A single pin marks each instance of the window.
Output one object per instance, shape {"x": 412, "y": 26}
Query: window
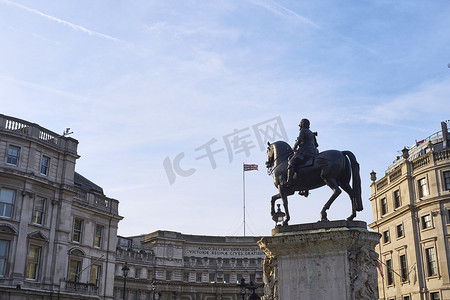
{"x": 212, "y": 277}
{"x": 77, "y": 230}
{"x": 45, "y": 163}
{"x": 13, "y": 155}
{"x": 434, "y": 296}
{"x": 4, "y": 247}
{"x": 168, "y": 275}
{"x": 39, "y": 210}
{"x": 33, "y": 261}
{"x": 383, "y": 206}
{"x": 426, "y": 221}
{"x": 6, "y": 202}
{"x": 74, "y": 270}
{"x": 186, "y": 276}
{"x": 397, "y": 200}
{"x": 389, "y": 273}
{"x": 405, "y": 298}
{"x": 447, "y": 180}
{"x": 423, "y": 191}
{"x": 98, "y": 236}
{"x": 198, "y": 277}
{"x": 149, "y": 274}
{"x": 400, "y": 231}
{"x": 431, "y": 262}
{"x": 403, "y": 268}
{"x": 95, "y": 275}
{"x": 226, "y": 278}
{"x": 386, "y": 237}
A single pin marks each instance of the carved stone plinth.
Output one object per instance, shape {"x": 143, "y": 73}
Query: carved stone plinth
{"x": 326, "y": 260}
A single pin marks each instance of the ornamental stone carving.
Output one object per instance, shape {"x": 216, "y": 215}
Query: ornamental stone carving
{"x": 363, "y": 273}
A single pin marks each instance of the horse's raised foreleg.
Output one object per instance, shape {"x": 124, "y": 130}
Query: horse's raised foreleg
{"x": 331, "y": 182}
{"x": 272, "y": 205}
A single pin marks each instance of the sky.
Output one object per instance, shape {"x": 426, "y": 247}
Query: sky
{"x": 168, "y": 99}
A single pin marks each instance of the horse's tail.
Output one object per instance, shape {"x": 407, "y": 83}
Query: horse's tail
{"x": 356, "y": 180}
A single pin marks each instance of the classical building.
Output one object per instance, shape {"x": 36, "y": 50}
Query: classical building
{"x": 58, "y": 235}
{"x": 169, "y": 265}
{"x": 411, "y": 209}
{"x": 58, "y": 230}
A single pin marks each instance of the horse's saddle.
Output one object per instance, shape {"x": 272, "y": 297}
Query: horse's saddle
{"x": 304, "y": 160}
{"x": 308, "y": 161}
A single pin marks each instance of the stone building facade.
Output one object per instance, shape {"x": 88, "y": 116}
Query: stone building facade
{"x": 58, "y": 230}
{"x": 169, "y": 265}
{"x": 411, "y": 210}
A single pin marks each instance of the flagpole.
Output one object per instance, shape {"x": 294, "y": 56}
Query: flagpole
{"x": 246, "y": 168}
{"x": 243, "y": 191}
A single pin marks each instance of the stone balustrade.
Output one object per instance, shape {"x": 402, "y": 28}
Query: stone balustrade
{"x": 78, "y": 287}
{"x": 97, "y": 201}
{"x": 34, "y": 131}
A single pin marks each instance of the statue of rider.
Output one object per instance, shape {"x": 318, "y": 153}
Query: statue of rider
{"x": 306, "y": 144}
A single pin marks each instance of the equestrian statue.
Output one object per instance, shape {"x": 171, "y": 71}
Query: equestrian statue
{"x": 304, "y": 168}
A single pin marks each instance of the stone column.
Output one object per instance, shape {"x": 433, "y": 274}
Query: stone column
{"x": 332, "y": 260}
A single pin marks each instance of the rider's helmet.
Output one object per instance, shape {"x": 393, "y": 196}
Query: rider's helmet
{"x": 304, "y": 123}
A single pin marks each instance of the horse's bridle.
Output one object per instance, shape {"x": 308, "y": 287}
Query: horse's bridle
{"x": 270, "y": 170}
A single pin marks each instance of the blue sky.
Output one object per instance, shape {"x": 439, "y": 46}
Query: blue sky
{"x": 144, "y": 82}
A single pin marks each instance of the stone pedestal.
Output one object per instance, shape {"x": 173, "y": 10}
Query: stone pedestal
{"x": 332, "y": 260}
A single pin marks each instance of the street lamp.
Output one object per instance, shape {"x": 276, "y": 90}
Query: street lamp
{"x": 253, "y": 296}
{"x": 154, "y": 283}
{"x": 373, "y": 176}
{"x": 125, "y": 270}
{"x": 243, "y": 286}
{"x": 405, "y": 152}
{"x": 278, "y": 217}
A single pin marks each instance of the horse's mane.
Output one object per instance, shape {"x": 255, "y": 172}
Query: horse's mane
{"x": 281, "y": 147}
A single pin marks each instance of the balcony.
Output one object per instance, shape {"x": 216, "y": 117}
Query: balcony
{"x": 78, "y": 287}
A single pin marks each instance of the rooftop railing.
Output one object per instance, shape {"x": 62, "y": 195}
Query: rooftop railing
{"x": 100, "y": 202}
{"x": 34, "y": 131}
{"x": 135, "y": 255}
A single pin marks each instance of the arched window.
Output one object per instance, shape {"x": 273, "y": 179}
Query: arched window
{"x": 75, "y": 264}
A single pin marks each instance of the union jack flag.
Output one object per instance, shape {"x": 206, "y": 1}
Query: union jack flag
{"x": 250, "y": 167}
{"x": 380, "y": 269}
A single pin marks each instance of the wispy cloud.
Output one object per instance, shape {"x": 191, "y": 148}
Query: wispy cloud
{"x": 423, "y": 103}
{"x": 42, "y": 88}
{"x": 289, "y": 14}
{"x": 156, "y": 28}
{"x": 284, "y": 12}
{"x": 415, "y": 105}
{"x": 60, "y": 21}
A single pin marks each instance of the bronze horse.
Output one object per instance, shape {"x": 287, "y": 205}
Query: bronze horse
{"x": 332, "y": 168}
